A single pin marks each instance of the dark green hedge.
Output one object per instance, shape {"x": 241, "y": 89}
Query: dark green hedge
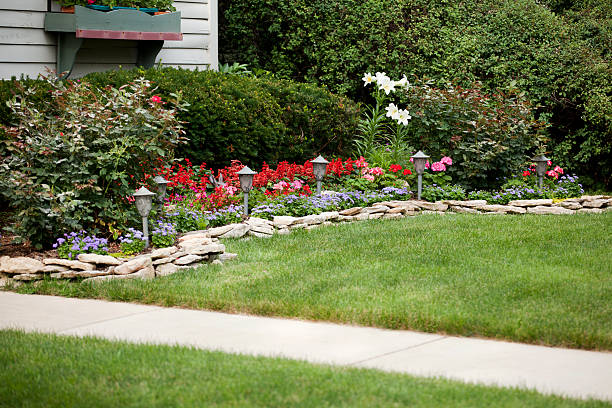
{"x": 251, "y": 119}
{"x": 556, "y": 51}
{"x": 245, "y": 118}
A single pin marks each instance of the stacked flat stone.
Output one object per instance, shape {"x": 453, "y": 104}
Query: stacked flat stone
{"x": 259, "y": 227}
{"x": 193, "y": 249}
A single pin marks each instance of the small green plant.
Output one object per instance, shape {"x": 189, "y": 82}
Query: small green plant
{"x": 164, "y": 234}
{"x": 70, "y": 245}
{"x": 132, "y": 242}
{"x": 185, "y": 220}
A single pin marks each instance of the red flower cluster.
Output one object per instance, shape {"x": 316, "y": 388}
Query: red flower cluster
{"x": 187, "y": 177}
{"x": 284, "y": 171}
{"x": 339, "y": 169}
{"x": 394, "y": 168}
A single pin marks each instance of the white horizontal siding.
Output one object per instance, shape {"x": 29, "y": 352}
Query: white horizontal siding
{"x": 30, "y": 53}
{"x": 190, "y": 41}
{"x": 8, "y": 70}
{"x": 32, "y": 5}
{"x": 25, "y": 48}
{"x": 26, "y": 36}
{"x": 30, "y": 19}
{"x": 193, "y": 10}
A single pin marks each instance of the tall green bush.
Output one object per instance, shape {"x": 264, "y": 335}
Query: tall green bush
{"x": 251, "y": 119}
{"x": 560, "y": 59}
{"x": 72, "y": 162}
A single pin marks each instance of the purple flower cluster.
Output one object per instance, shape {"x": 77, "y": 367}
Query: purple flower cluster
{"x": 74, "y": 243}
{"x": 303, "y": 205}
{"x": 131, "y": 236}
{"x": 164, "y": 228}
{"x": 224, "y": 216}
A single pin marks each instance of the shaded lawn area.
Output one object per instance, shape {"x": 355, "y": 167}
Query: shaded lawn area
{"x": 535, "y": 279}
{"x": 41, "y": 370}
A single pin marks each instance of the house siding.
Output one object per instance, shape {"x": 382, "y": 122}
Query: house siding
{"x": 26, "y": 49}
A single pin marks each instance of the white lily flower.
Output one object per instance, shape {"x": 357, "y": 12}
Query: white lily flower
{"x": 392, "y": 111}
{"x": 403, "y": 117}
{"x": 403, "y": 82}
{"x": 387, "y": 86}
{"x": 368, "y": 79}
{"x": 382, "y": 77}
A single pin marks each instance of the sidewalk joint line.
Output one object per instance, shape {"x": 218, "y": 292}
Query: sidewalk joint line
{"x": 105, "y": 320}
{"x": 397, "y": 351}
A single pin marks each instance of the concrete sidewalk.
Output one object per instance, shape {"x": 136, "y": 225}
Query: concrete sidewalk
{"x": 565, "y": 372}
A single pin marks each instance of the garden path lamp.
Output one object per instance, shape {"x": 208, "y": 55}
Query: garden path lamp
{"x": 319, "y": 167}
{"x": 420, "y": 159}
{"x": 144, "y": 202}
{"x": 246, "y": 184}
{"x": 161, "y": 190}
{"x": 541, "y": 162}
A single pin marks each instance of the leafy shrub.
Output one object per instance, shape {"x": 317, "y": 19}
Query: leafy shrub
{"x": 489, "y": 136}
{"x": 253, "y": 120}
{"x": 185, "y": 220}
{"x": 71, "y": 245}
{"x": 67, "y": 163}
{"x": 561, "y": 61}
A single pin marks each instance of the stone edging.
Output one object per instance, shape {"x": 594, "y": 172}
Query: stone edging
{"x": 260, "y": 227}
{"x": 193, "y": 249}
{"x": 198, "y": 247}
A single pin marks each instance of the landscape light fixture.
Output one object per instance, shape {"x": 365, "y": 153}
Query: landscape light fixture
{"x": 419, "y": 159}
{"x": 161, "y": 190}
{"x": 144, "y": 202}
{"x": 541, "y": 162}
{"x": 319, "y": 167}
{"x": 246, "y": 184}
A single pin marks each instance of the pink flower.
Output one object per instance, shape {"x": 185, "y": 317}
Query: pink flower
{"x": 91, "y": 1}
{"x": 156, "y": 99}
{"x": 361, "y": 162}
{"x": 376, "y": 171}
{"x": 411, "y": 160}
{"x": 558, "y": 169}
{"x": 446, "y": 160}
{"x": 552, "y": 173}
{"x": 296, "y": 184}
{"x": 280, "y": 185}
{"x": 549, "y": 163}
{"x": 438, "y": 166}
{"x": 426, "y": 165}
{"x": 231, "y": 190}
{"x": 368, "y": 177}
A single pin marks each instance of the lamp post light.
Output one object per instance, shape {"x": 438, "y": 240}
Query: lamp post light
{"x": 246, "y": 184}
{"x": 419, "y": 159}
{"x": 319, "y": 167}
{"x": 541, "y": 164}
{"x": 161, "y": 190}
{"x": 144, "y": 202}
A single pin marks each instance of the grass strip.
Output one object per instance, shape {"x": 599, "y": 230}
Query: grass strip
{"x": 534, "y": 279}
{"x": 42, "y": 370}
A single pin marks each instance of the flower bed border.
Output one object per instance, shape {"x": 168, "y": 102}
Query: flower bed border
{"x": 198, "y": 247}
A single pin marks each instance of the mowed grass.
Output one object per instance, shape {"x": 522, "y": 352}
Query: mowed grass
{"x": 40, "y": 370}
{"x": 536, "y": 279}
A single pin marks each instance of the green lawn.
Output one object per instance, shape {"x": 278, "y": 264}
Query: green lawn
{"x": 40, "y": 370}
{"x": 536, "y": 279}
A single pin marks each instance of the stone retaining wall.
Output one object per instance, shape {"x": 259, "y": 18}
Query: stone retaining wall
{"x": 199, "y": 247}
{"x": 396, "y": 209}
{"x": 192, "y": 250}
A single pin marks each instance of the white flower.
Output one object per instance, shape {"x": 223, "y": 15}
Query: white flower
{"x": 382, "y": 77}
{"x": 387, "y": 86}
{"x": 367, "y": 79}
{"x": 403, "y": 82}
{"x": 392, "y": 111}
{"x": 403, "y": 117}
